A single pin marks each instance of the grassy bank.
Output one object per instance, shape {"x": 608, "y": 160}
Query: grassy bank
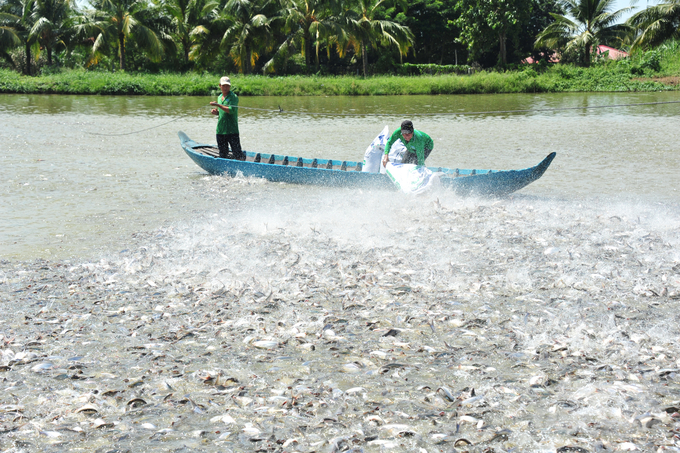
{"x": 636, "y": 74}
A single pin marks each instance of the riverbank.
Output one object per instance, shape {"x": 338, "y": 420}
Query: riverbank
{"x": 561, "y": 78}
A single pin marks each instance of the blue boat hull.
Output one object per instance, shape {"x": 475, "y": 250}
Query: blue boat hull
{"x": 326, "y": 172}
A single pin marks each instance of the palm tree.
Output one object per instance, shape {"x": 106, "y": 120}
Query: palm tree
{"x": 306, "y": 24}
{"x": 206, "y": 38}
{"x": 16, "y": 23}
{"x": 656, "y": 24}
{"x": 50, "y": 18}
{"x": 119, "y": 21}
{"x": 8, "y": 36}
{"x": 366, "y": 30}
{"x": 188, "y": 17}
{"x": 248, "y": 30}
{"x": 585, "y": 24}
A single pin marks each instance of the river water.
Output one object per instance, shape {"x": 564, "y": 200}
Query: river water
{"x": 256, "y": 316}
{"x": 67, "y": 190}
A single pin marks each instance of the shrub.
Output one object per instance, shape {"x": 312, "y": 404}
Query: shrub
{"x": 652, "y": 60}
{"x": 433, "y": 69}
{"x": 647, "y": 62}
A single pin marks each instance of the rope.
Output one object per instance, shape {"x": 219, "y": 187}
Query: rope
{"x": 148, "y": 128}
{"x": 137, "y": 132}
{"x": 492, "y": 112}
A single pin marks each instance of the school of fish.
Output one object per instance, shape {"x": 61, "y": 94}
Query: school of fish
{"x": 350, "y": 321}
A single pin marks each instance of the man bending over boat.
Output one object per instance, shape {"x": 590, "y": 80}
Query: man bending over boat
{"x": 418, "y": 144}
{"x": 226, "y": 107}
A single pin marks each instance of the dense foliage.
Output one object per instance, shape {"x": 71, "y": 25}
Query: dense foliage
{"x": 586, "y": 24}
{"x": 323, "y": 37}
{"x": 650, "y": 71}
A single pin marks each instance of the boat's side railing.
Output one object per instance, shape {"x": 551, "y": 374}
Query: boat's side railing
{"x": 456, "y": 172}
{"x": 279, "y": 159}
{"x": 329, "y": 164}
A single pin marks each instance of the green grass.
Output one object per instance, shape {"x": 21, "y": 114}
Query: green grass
{"x": 634, "y": 74}
{"x": 87, "y": 82}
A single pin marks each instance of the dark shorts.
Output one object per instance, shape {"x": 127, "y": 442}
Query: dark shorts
{"x": 411, "y": 158}
{"x": 227, "y": 141}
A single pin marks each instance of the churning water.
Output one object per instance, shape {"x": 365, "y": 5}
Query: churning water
{"x": 183, "y": 312}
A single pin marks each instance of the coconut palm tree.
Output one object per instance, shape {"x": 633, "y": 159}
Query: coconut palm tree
{"x": 306, "y": 24}
{"x": 248, "y": 32}
{"x": 584, "y": 24}
{"x": 206, "y": 38}
{"x": 9, "y": 38}
{"x": 15, "y": 29}
{"x": 50, "y": 22}
{"x": 118, "y": 21}
{"x": 367, "y": 30}
{"x": 188, "y": 17}
{"x": 656, "y": 24}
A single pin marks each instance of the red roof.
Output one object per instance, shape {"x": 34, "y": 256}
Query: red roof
{"x": 554, "y": 58}
{"x": 614, "y": 54}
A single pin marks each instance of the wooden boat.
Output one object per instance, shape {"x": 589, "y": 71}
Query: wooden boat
{"x": 328, "y": 172}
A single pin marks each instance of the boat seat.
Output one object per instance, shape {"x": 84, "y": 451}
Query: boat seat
{"x": 208, "y": 150}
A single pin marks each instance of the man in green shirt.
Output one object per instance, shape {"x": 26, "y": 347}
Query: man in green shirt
{"x": 418, "y": 144}
{"x": 226, "y": 108}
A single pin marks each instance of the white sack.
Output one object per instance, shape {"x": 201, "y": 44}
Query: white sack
{"x": 375, "y": 151}
{"x": 397, "y": 153}
{"x": 410, "y": 178}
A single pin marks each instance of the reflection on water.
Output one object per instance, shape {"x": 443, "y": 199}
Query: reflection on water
{"x": 68, "y": 189}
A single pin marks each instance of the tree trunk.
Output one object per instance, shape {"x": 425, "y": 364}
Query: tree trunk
{"x": 307, "y": 43}
{"x": 121, "y": 48}
{"x": 317, "y": 55}
{"x": 185, "y": 46}
{"x": 28, "y": 58}
{"x": 364, "y": 57}
{"x": 49, "y": 56}
{"x": 587, "y": 62}
{"x": 247, "y": 66}
{"x": 503, "y": 57}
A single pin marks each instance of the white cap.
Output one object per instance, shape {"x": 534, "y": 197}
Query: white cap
{"x": 225, "y": 81}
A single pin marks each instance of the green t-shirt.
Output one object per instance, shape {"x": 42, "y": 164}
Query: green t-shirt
{"x": 227, "y": 123}
{"x": 418, "y": 144}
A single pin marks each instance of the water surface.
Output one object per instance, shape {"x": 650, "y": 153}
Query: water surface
{"x": 79, "y": 172}
{"x": 250, "y": 315}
